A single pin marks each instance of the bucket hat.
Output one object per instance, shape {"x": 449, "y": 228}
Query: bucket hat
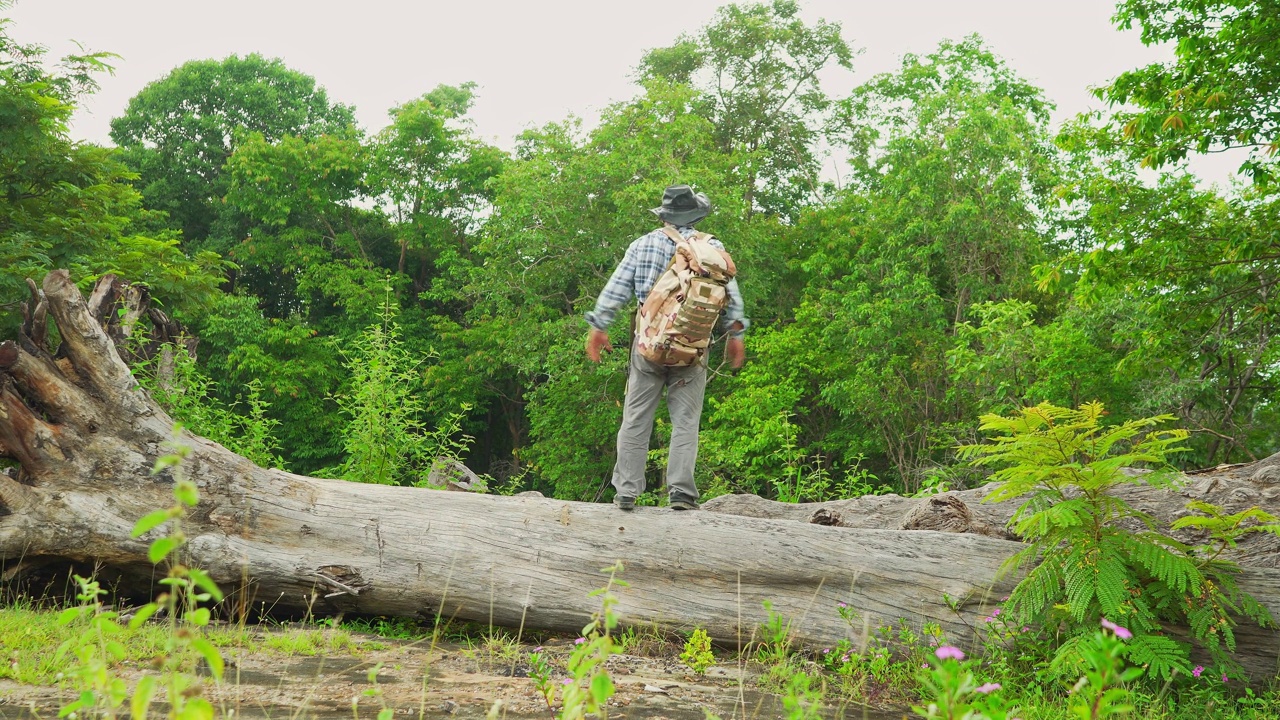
{"x": 682, "y": 206}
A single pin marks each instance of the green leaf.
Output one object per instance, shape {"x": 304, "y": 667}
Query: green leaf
{"x": 210, "y": 655}
{"x": 160, "y": 549}
{"x": 142, "y": 695}
{"x": 186, "y": 493}
{"x": 150, "y": 521}
{"x": 70, "y": 614}
{"x": 203, "y": 580}
{"x": 197, "y": 708}
{"x": 601, "y": 688}
{"x": 199, "y": 617}
{"x": 116, "y": 650}
{"x": 144, "y": 613}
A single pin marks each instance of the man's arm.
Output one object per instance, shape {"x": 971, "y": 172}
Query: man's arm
{"x": 734, "y": 321}
{"x": 616, "y": 293}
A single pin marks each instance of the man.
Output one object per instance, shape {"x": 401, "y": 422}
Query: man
{"x": 646, "y": 259}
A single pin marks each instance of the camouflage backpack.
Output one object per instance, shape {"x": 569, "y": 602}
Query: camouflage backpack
{"x": 674, "y": 325}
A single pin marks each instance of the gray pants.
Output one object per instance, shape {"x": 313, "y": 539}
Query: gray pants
{"x": 685, "y": 388}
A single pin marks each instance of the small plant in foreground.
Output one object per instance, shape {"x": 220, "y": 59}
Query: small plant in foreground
{"x": 543, "y": 676}
{"x": 95, "y": 650}
{"x": 954, "y": 694}
{"x": 373, "y": 691}
{"x": 774, "y": 646}
{"x": 590, "y": 687}
{"x": 697, "y": 655}
{"x": 1101, "y": 691}
{"x": 802, "y": 700}
{"x": 187, "y": 588}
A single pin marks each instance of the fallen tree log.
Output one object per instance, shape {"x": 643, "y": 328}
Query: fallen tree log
{"x": 1234, "y": 488}
{"x": 87, "y": 437}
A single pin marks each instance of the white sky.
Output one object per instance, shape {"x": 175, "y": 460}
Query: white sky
{"x": 542, "y": 60}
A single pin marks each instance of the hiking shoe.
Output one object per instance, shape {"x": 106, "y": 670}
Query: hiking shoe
{"x": 684, "y": 505}
{"x": 624, "y": 503}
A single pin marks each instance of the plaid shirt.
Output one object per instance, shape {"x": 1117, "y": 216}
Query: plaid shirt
{"x": 645, "y": 261}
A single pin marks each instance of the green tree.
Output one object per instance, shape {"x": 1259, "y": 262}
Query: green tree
{"x": 1198, "y": 272}
{"x": 951, "y": 189}
{"x": 179, "y": 131}
{"x": 433, "y": 175}
{"x": 757, "y": 68}
{"x": 67, "y": 204}
{"x": 1221, "y": 91}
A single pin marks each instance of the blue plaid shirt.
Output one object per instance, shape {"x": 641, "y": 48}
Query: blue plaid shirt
{"x": 646, "y": 259}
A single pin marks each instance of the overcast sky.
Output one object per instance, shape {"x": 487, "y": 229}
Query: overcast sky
{"x": 542, "y": 60}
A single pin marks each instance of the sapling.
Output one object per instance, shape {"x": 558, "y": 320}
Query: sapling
{"x": 187, "y": 587}
{"x": 589, "y": 688}
{"x": 697, "y": 655}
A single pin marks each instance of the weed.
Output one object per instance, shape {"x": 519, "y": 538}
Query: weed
{"x": 589, "y": 687}
{"x": 373, "y": 691}
{"x": 96, "y": 649}
{"x": 392, "y": 628}
{"x": 648, "y": 640}
{"x": 188, "y": 587}
{"x": 492, "y": 649}
{"x": 385, "y": 438}
{"x": 697, "y": 655}
{"x": 543, "y": 676}
{"x": 954, "y": 694}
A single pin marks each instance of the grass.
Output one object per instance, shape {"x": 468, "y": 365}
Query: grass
{"x": 310, "y": 641}
{"x": 29, "y": 634}
{"x": 29, "y": 637}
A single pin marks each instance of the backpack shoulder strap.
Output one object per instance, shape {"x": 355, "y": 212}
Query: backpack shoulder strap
{"x": 674, "y": 234}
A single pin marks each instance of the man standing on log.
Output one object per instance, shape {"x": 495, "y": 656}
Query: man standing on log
{"x": 669, "y": 339}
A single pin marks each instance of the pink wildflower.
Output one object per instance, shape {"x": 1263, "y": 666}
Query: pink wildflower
{"x": 989, "y": 687}
{"x": 579, "y": 641}
{"x": 1224, "y": 677}
{"x": 567, "y": 681}
{"x": 948, "y": 652}
{"x": 988, "y": 619}
{"x": 1122, "y": 633}
{"x": 995, "y": 612}
{"x": 1196, "y": 673}
{"x": 843, "y": 605}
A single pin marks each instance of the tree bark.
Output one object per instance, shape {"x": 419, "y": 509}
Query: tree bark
{"x": 87, "y": 437}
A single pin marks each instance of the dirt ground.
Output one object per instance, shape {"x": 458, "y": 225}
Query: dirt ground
{"x": 449, "y": 682}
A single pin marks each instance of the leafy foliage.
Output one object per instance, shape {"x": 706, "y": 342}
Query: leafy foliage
{"x": 179, "y": 132}
{"x": 385, "y": 438}
{"x": 66, "y": 204}
{"x": 1217, "y": 93}
{"x": 1066, "y": 466}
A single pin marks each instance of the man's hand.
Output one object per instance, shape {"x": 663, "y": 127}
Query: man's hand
{"x": 735, "y": 352}
{"x": 598, "y": 340}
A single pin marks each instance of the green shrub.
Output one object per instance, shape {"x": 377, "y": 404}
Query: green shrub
{"x": 697, "y": 655}
{"x": 1067, "y": 465}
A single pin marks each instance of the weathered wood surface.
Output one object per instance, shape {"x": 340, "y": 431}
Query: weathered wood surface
{"x": 87, "y": 437}
{"x": 1234, "y": 488}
